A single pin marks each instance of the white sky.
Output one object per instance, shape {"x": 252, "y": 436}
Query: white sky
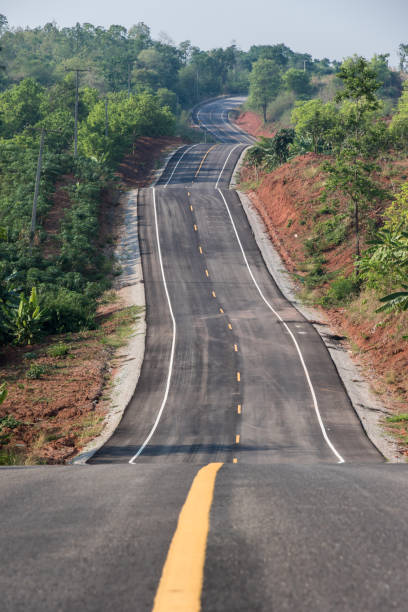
{"x": 324, "y": 28}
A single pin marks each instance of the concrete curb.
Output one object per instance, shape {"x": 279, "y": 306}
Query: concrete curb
{"x": 367, "y": 406}
{"x": 129, "y": 358}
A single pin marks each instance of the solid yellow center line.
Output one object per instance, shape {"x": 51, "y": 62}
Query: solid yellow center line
{"x": 229, "y": 326}
{"x": 213, "y": 294}
{"x": 237, "y": 438}
{"x": 235, "y": 460}
{"x": 181, "y": 581}
{"x": 236, "y": 348}
{"x": 238, "y": 376}
{"x": 207, "y": 273}
{"x": 201, "y": 250}
{"x": 239, "y": 409}
{"x": 221, "y": 311}
{"x": 203, "y": 160}
{"x": 195, "y": 227}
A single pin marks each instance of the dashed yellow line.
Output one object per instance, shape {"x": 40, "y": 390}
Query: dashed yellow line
{"x": 238, "y": 376}
{"x": 236, "y": 348}
{"x": 191, "y": 208}
{"x": 229, "y": 326}
{"x": 213, "y": 294}
{"x": 239, "y": 409}
{"x": 237, "y": 439}
{"x": 181, "y": 581}
{"x": 235, "y": 460}
{"x": 201, "y": 250}
{"x": 188, "y": 193}
{"x": 195, "y": 227}
{"x": 203, "y": 160}
{"x": 221, "y": 311}
{"x": 207, "y": 273}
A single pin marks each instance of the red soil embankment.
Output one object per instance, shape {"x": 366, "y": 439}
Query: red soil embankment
{"x": 253, "y": 124}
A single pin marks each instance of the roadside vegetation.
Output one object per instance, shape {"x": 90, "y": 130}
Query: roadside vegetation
{"x": 332, "y": 187}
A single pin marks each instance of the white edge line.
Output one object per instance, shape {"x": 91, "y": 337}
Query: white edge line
{"x": 176, "y": 166}
{"x": 312, "y": 391}
{"x": 226, "y": 161}
{"x": 173, "y": 344}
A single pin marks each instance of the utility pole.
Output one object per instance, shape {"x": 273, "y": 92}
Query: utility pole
{"x": 106, "y": 118}
{"x": 77, "y": 71}
{"x": 36, "y": 190}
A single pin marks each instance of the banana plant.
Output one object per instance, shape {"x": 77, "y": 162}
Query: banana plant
{"x": 395, "y": 301}
{"x": 28, "y": 319}
{"x": 3, "y": 392}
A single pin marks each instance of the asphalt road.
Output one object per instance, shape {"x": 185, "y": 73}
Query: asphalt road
{"x": 305, "y": 514}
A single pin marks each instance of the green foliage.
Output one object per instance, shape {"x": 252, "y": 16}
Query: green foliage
{"x": 395, "y": 301}
{"x": 271, "y": 152}
{"x": 8, "y": 422}
{"x": 341, "y": 291}
{"x": 27, "y": 321}
{"x": 36, "y": 370}
{"x": 58, "y": 350}
{"x": 298, "y": 81}
{"x": 66, "y": 310}
{"x": 360, "y": 83}
{"x": 314, "y": 123}
{"x": 3, "y": 392}
{"x": 265, "y": 80}
{"x": 19, "y": 107}
{"x": 399, "y": 123}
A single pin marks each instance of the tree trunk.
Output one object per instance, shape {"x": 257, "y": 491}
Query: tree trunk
{"x": 357, "y": 232}
{"x": 264, "y": 112}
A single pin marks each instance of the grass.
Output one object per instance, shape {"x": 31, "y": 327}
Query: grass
{"x": 58, "y": 350}
{"x": 398, "y": 418}
{"x": 124, "y": 321}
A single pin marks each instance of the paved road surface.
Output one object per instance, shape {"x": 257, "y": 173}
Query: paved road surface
{"x": 304, "y": 513}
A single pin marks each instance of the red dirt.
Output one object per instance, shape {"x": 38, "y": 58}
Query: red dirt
{"x": 64, "y": 408}
{"x": 287, "y": 200}
{"x": 253, "y": 124}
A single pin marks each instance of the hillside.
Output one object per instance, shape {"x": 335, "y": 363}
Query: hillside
{"x": 301, "y": 226}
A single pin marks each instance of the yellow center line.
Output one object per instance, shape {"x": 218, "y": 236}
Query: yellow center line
{"x": 207, "y": 273}
{"x": 238, "y": 376}
{"x": 237, "y": 438}
{"x": 203, "y": 160}
{"x": 181, "y": 581}
{"x": 235, "y": 460}
{"x": 221, "y": 311}
{"x": 213, "y": 294}
{"x": 195, "y": 227}
{"x": 229, "y": 326}
{"x": 191, "y": 208}
{"x": 188, "y": 193}
{"x": 239, "y": 409}
{"x": 201, "y": 250}
{"x": 236, "y": 348}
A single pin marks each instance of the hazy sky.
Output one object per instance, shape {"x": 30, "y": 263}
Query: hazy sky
{"x": 324, "y": 28}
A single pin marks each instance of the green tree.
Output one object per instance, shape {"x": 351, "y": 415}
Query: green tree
{"x": 399, "y": 123}
{"x": 264, "y": 83}
{"x": 360, "y": 84}
{"x": 298, "y": 81}
{"x": 314, "y": 122}
{"x": 20, "y": 106}
{"x": 403, "y": 54}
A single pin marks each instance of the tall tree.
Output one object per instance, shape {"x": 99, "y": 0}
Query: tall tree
{"x": 264, "y": 83}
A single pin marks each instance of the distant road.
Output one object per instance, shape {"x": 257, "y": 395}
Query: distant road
{"x": 239, "y": 416}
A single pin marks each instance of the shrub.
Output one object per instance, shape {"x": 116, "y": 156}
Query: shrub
{"x": 28, "y": 319}
{"x": 67, "y": 310}
{"x": 35, "y": 371}
{"x": 58, "y": 350}
{"x": 341, "y": 291}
